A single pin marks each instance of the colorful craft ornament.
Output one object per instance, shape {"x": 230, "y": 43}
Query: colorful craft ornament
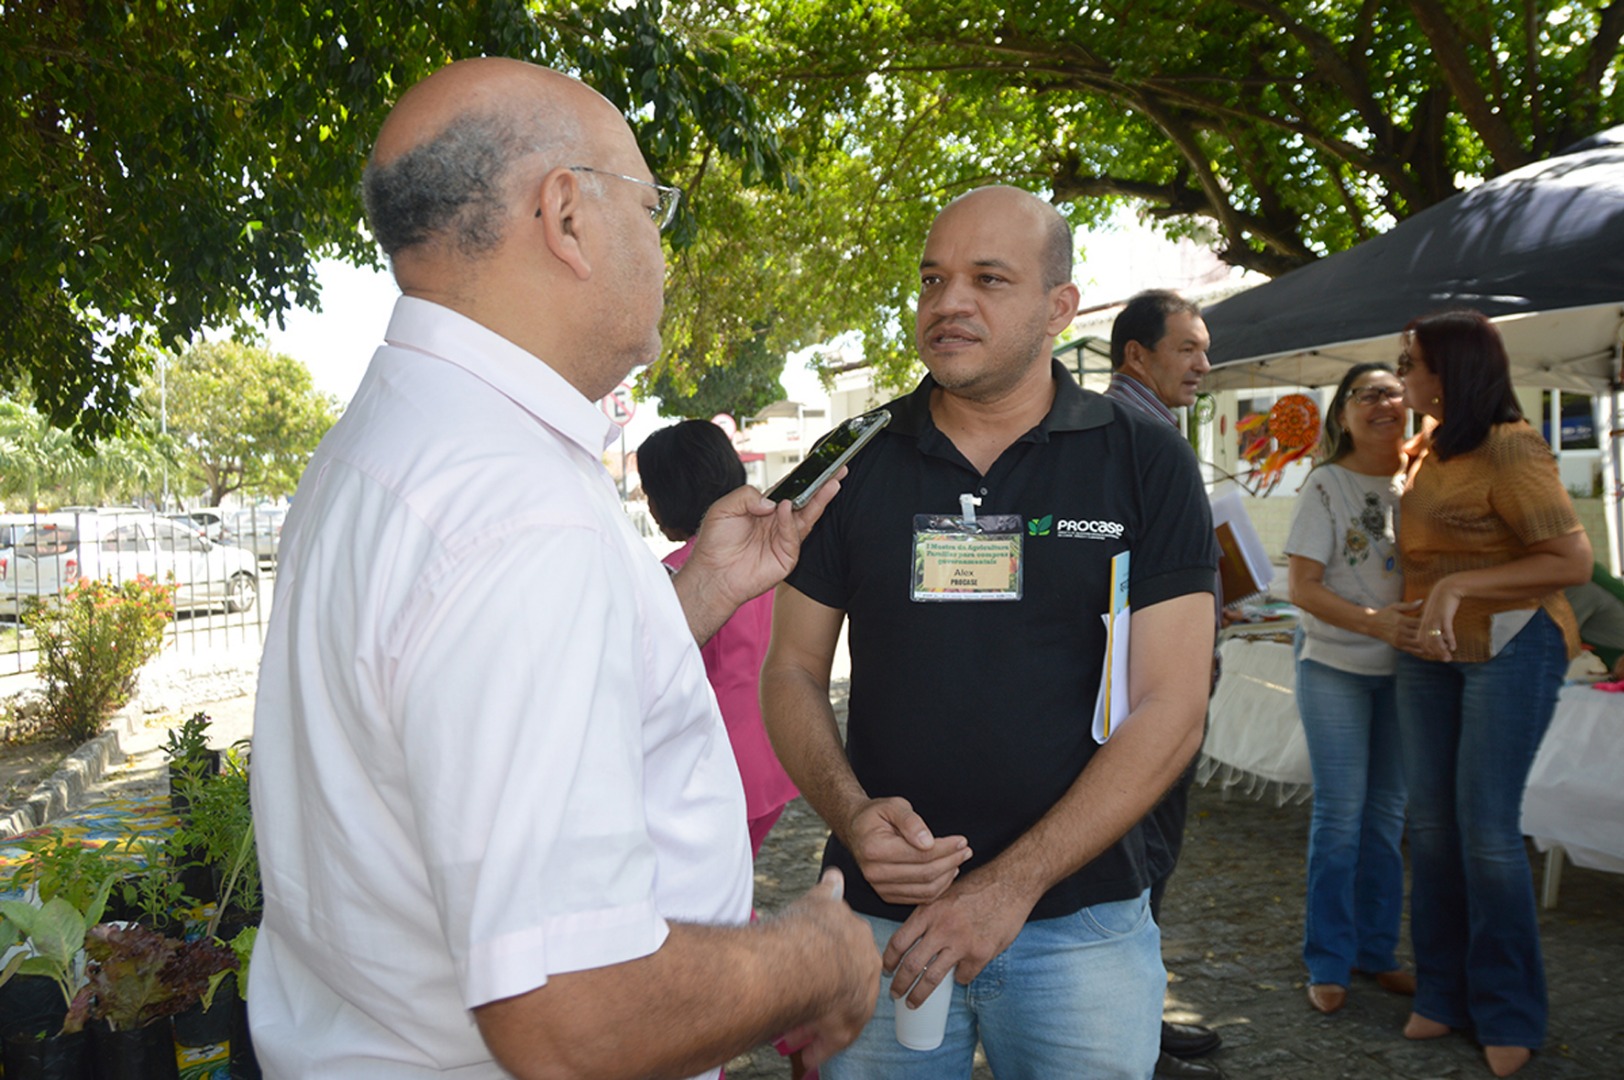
{"x": 1287, "y": 432}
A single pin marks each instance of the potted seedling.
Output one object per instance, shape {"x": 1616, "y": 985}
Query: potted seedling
{"x": 213, "y": 1033}
{"x": 244, "y": 1065}
{"x": 190, "y": 759}
{"x": 218, "y": 837}
{"x": 46, "y": 1038}
{"x": 135, "y": 981}
{"x": 154, "y": 894}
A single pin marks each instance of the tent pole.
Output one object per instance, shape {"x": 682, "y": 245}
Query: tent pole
{"x": 1613, "y": 475}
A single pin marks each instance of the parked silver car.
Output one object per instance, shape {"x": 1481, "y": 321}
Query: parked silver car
{"x": 119, "y": 545}
{"x": 258, "y": 530}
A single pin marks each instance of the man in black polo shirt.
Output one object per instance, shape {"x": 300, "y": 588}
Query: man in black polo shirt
{"x": 985, "y": 832}
{"x": 1159, "y": 348}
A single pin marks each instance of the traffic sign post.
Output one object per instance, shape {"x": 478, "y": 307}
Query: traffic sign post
{"x": 618, "y": 405}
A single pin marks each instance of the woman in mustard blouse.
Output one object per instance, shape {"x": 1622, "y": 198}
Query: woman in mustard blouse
{"x": 1488, "y": 538}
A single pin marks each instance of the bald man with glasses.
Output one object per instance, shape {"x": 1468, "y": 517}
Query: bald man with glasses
{"x": 500, "y": 825}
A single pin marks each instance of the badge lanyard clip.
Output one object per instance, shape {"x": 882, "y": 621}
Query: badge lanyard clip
{"x": 967, "y": 509}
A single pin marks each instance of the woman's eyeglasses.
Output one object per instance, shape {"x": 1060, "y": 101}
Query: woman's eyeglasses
{"x": 1371, "y": 395}
{"x": 1406, "y": 363}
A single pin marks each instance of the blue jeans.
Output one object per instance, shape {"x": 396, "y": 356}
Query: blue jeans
{"x": 1470, "y": 733}
{"x": 1355, "y": 867}
{"x": 1080, "y": 995}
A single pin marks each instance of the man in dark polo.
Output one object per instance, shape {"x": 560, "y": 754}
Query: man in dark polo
{"x": 1158, "y": 357}
{"x": 987, "y": 834}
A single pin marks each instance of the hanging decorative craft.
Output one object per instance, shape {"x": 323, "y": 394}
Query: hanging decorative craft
{"x": 1201, "y": 414}
{"x": 1278, "y": 437}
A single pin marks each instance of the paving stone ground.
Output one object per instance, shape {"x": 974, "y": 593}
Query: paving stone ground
{"x": 1233, "y": 916}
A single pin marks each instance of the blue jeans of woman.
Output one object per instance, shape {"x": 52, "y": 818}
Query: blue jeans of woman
{"x": 1355, "y": 867}
{"x": 1470, "y": 733}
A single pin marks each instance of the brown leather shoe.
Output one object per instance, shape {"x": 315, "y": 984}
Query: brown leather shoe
{"x": 1505, "y": 1060}
{"x": 1397, "y": 981}
{"x": 1327, "y": 997}
{"x": 1424, "y": 1027}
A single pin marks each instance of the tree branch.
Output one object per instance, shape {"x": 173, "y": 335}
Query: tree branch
{"x": 1039, "y": 64}
{"x": 1329, "y": 62}
{"x": 1490, "y": 123}
{"x": 1536, "y": 112}
{"x": 1176, "y": 199}
{"x": 1603, "y": 53}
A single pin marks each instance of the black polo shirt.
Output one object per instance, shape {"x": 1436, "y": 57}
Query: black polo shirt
{"x": 979, "y": 713}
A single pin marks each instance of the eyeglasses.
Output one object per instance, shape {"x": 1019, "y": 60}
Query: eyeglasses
{"x": 1370, "y": 395}
{"x": 1406, "y": 364}
{"x": 666, "y": 198}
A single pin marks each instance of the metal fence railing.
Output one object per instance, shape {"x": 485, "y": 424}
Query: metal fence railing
{"x": 222, "y": 582}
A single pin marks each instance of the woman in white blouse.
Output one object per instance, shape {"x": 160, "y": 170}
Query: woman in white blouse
{"x": 1345, "y": 579}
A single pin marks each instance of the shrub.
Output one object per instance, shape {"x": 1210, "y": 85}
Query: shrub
{"x": 92, "y": 642}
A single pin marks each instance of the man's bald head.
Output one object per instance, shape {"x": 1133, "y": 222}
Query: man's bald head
{"x": 1050, "y": 224}
{"x": 509, "y": 194}
{"x": 442, "y": 172}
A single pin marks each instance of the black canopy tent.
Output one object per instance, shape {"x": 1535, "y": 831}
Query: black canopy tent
{"x": 1540, "y": 250}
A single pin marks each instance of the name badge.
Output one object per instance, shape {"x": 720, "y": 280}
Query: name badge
{"x": 974, "y": 559}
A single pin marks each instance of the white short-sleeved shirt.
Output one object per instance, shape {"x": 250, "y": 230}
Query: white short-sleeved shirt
{"x": 485, "y": 750}
{"x": 1348, "y": 522}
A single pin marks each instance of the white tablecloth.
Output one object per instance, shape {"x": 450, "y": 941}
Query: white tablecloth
{"x": 1575, "y": 795}
{"x": 1254, "y": 735}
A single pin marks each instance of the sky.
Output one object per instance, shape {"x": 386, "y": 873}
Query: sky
{"x": 337, "y": 343}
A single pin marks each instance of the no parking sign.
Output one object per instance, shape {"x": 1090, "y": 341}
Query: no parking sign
{"x": 618, "y": 405}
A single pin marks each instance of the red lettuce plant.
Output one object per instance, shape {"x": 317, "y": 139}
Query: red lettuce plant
{"x": 137, "y": 976}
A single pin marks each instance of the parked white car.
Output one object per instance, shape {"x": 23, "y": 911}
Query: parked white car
{"x": 119, "y": 545}
{"x": 211, "y": 523}
{"x": 13, "y": 526}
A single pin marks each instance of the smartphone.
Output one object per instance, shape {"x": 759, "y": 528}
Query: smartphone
{"x": 826, "y": 457}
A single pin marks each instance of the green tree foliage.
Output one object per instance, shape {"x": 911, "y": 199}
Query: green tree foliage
{"x": 1297, "y": 127}
{"x": 174, "y": 166}
{"x": 742, "y": 385}
{"x": 46, "y": 468}
{"x": 1279, "y": 130}
{"x": 171, "y": 167}
{"x": 241, "y": 418}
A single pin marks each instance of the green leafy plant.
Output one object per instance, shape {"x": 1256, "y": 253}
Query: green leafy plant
{"x": 54, "y": 934}
{"x": 136, "y": 976}
{"x": 242, "y": 947}
{"x": 154, "y": 891}
{"x": 92, "y": 642}
{"x": 59, "y": 866}
{"x": 219, "y": 832}
{"x": 190, "y": 760}
{"x": 189, "y": 743}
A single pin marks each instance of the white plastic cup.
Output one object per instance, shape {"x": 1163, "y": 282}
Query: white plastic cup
{"x": 923, "y": 1028}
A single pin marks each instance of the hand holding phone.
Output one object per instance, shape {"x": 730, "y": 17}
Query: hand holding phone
{"x": 826, "y": 457}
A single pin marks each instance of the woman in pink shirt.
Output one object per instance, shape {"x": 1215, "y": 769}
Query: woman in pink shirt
{"x": 685, "y": 468}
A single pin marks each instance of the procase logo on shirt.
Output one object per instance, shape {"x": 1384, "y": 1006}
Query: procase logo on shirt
{"x": 1089, "y": 530}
